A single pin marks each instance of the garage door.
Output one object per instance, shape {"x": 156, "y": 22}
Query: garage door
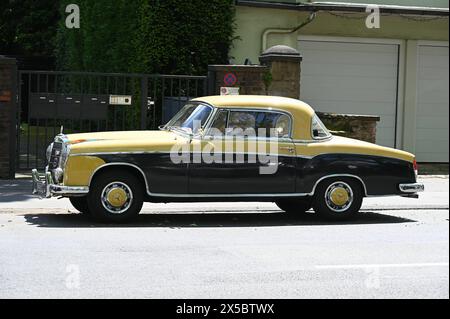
{"x": 352, "y": 78}
{"x": 432, "y": 105}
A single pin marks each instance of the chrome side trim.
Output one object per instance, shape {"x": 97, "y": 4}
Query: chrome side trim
{"x": 412, "y": 188}
{"x": 228, "y": 195}
{"x": 313, "y": 141}
{"x": 159, "y": 152}
{"x": 118, "y": 153}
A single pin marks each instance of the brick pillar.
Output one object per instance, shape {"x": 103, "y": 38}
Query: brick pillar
{"x": 284, "y": 65}
{"x": 8, "y": 107}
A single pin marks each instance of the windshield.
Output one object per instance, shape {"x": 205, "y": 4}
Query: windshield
{"x": 190, "y": 118}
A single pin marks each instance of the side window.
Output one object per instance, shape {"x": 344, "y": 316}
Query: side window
{"x": 219, "y": 124}
{"x": 263, "y": 124}
{"x": 241, "y": 123}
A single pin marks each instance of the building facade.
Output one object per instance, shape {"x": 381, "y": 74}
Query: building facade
{"x": 395, "y": 65}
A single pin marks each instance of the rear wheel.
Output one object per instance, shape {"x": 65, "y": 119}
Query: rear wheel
{"x": 80, "y": 204}
{"x": 294, "y": 205}
{"x": 116, "y": 196}
{"x": 338, "y": 198}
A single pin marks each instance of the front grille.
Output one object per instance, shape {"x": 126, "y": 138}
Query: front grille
{"x": 55, "y": 155}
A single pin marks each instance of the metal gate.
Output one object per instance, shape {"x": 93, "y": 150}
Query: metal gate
{"x": 90, "y": 102}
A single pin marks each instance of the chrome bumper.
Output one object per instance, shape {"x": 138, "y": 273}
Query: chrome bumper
{"x": 411, "y": 188}
{"x": 47, "y": 188}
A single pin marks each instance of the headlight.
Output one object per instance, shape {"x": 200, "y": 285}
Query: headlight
{"x": 48, "y": 153}
{"x": 64, "y": 155}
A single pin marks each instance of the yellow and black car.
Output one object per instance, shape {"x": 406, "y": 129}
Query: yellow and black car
{"x": 239, "y": 148}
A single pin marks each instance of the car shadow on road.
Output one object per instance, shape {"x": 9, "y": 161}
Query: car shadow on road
{"x": 183, "y": 220}
{"x": 16, "y": 191}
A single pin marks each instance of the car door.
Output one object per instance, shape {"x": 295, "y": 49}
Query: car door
{"x": 237, "y": 162}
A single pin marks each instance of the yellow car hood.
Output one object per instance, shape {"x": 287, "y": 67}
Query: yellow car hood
{"x": 123, "y": 141}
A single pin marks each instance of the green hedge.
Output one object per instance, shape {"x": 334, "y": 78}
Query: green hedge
{"x": 166, "y": 36}
{"x": 28, "y": 27}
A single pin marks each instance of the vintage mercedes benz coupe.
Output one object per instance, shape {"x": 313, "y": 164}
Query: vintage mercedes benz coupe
{"x": 109, "y": 175}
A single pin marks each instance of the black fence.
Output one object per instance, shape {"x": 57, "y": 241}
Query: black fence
{"x": 90, "y": 102}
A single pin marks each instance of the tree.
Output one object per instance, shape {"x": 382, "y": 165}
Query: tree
{"x": 28, "y": 27}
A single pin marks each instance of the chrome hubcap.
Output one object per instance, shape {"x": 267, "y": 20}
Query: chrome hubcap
{"x": 339, "y": 197}
{"x": 117, "y": 197}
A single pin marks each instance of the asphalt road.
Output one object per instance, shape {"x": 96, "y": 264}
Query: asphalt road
{"x": 397, "y": 248}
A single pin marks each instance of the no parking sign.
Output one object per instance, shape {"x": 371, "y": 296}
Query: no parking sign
{"x": 230, "y": 79}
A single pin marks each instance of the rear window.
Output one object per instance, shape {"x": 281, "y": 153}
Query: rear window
{"x": 318, "y": 129}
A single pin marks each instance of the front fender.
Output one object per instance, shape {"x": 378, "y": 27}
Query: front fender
{"x": 79, "y": 169}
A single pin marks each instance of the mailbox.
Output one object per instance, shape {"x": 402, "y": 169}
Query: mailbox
{"x": 68, "y": 106}
{"x": 43, "y": 106}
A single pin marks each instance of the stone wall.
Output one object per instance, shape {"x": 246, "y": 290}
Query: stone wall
{"x": 8, "y": 71}
{"x": 249, "y": 78}
{"x": 361, "y": 127}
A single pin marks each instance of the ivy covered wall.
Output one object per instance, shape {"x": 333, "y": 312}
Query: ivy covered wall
{"x": 148, "y": 36}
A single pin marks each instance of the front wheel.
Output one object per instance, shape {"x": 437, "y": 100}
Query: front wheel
{"x": 115, "y": 196}
{"x": 338, "y": 199}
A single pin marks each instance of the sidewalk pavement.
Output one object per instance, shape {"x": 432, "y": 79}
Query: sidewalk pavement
{"x": 16, "y": 195}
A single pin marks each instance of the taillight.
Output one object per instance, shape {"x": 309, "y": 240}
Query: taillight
{"x": 416, "y": 168}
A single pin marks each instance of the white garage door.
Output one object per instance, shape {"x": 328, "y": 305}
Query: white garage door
{"x": 352, "y": 78}
{"x": 432, "y": 105}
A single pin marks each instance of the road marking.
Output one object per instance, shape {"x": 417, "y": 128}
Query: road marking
{"x": 363, "y": 266}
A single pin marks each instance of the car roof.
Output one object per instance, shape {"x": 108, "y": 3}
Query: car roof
{"x": 300, "y": 111}
{"x": 261, "y": 101}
